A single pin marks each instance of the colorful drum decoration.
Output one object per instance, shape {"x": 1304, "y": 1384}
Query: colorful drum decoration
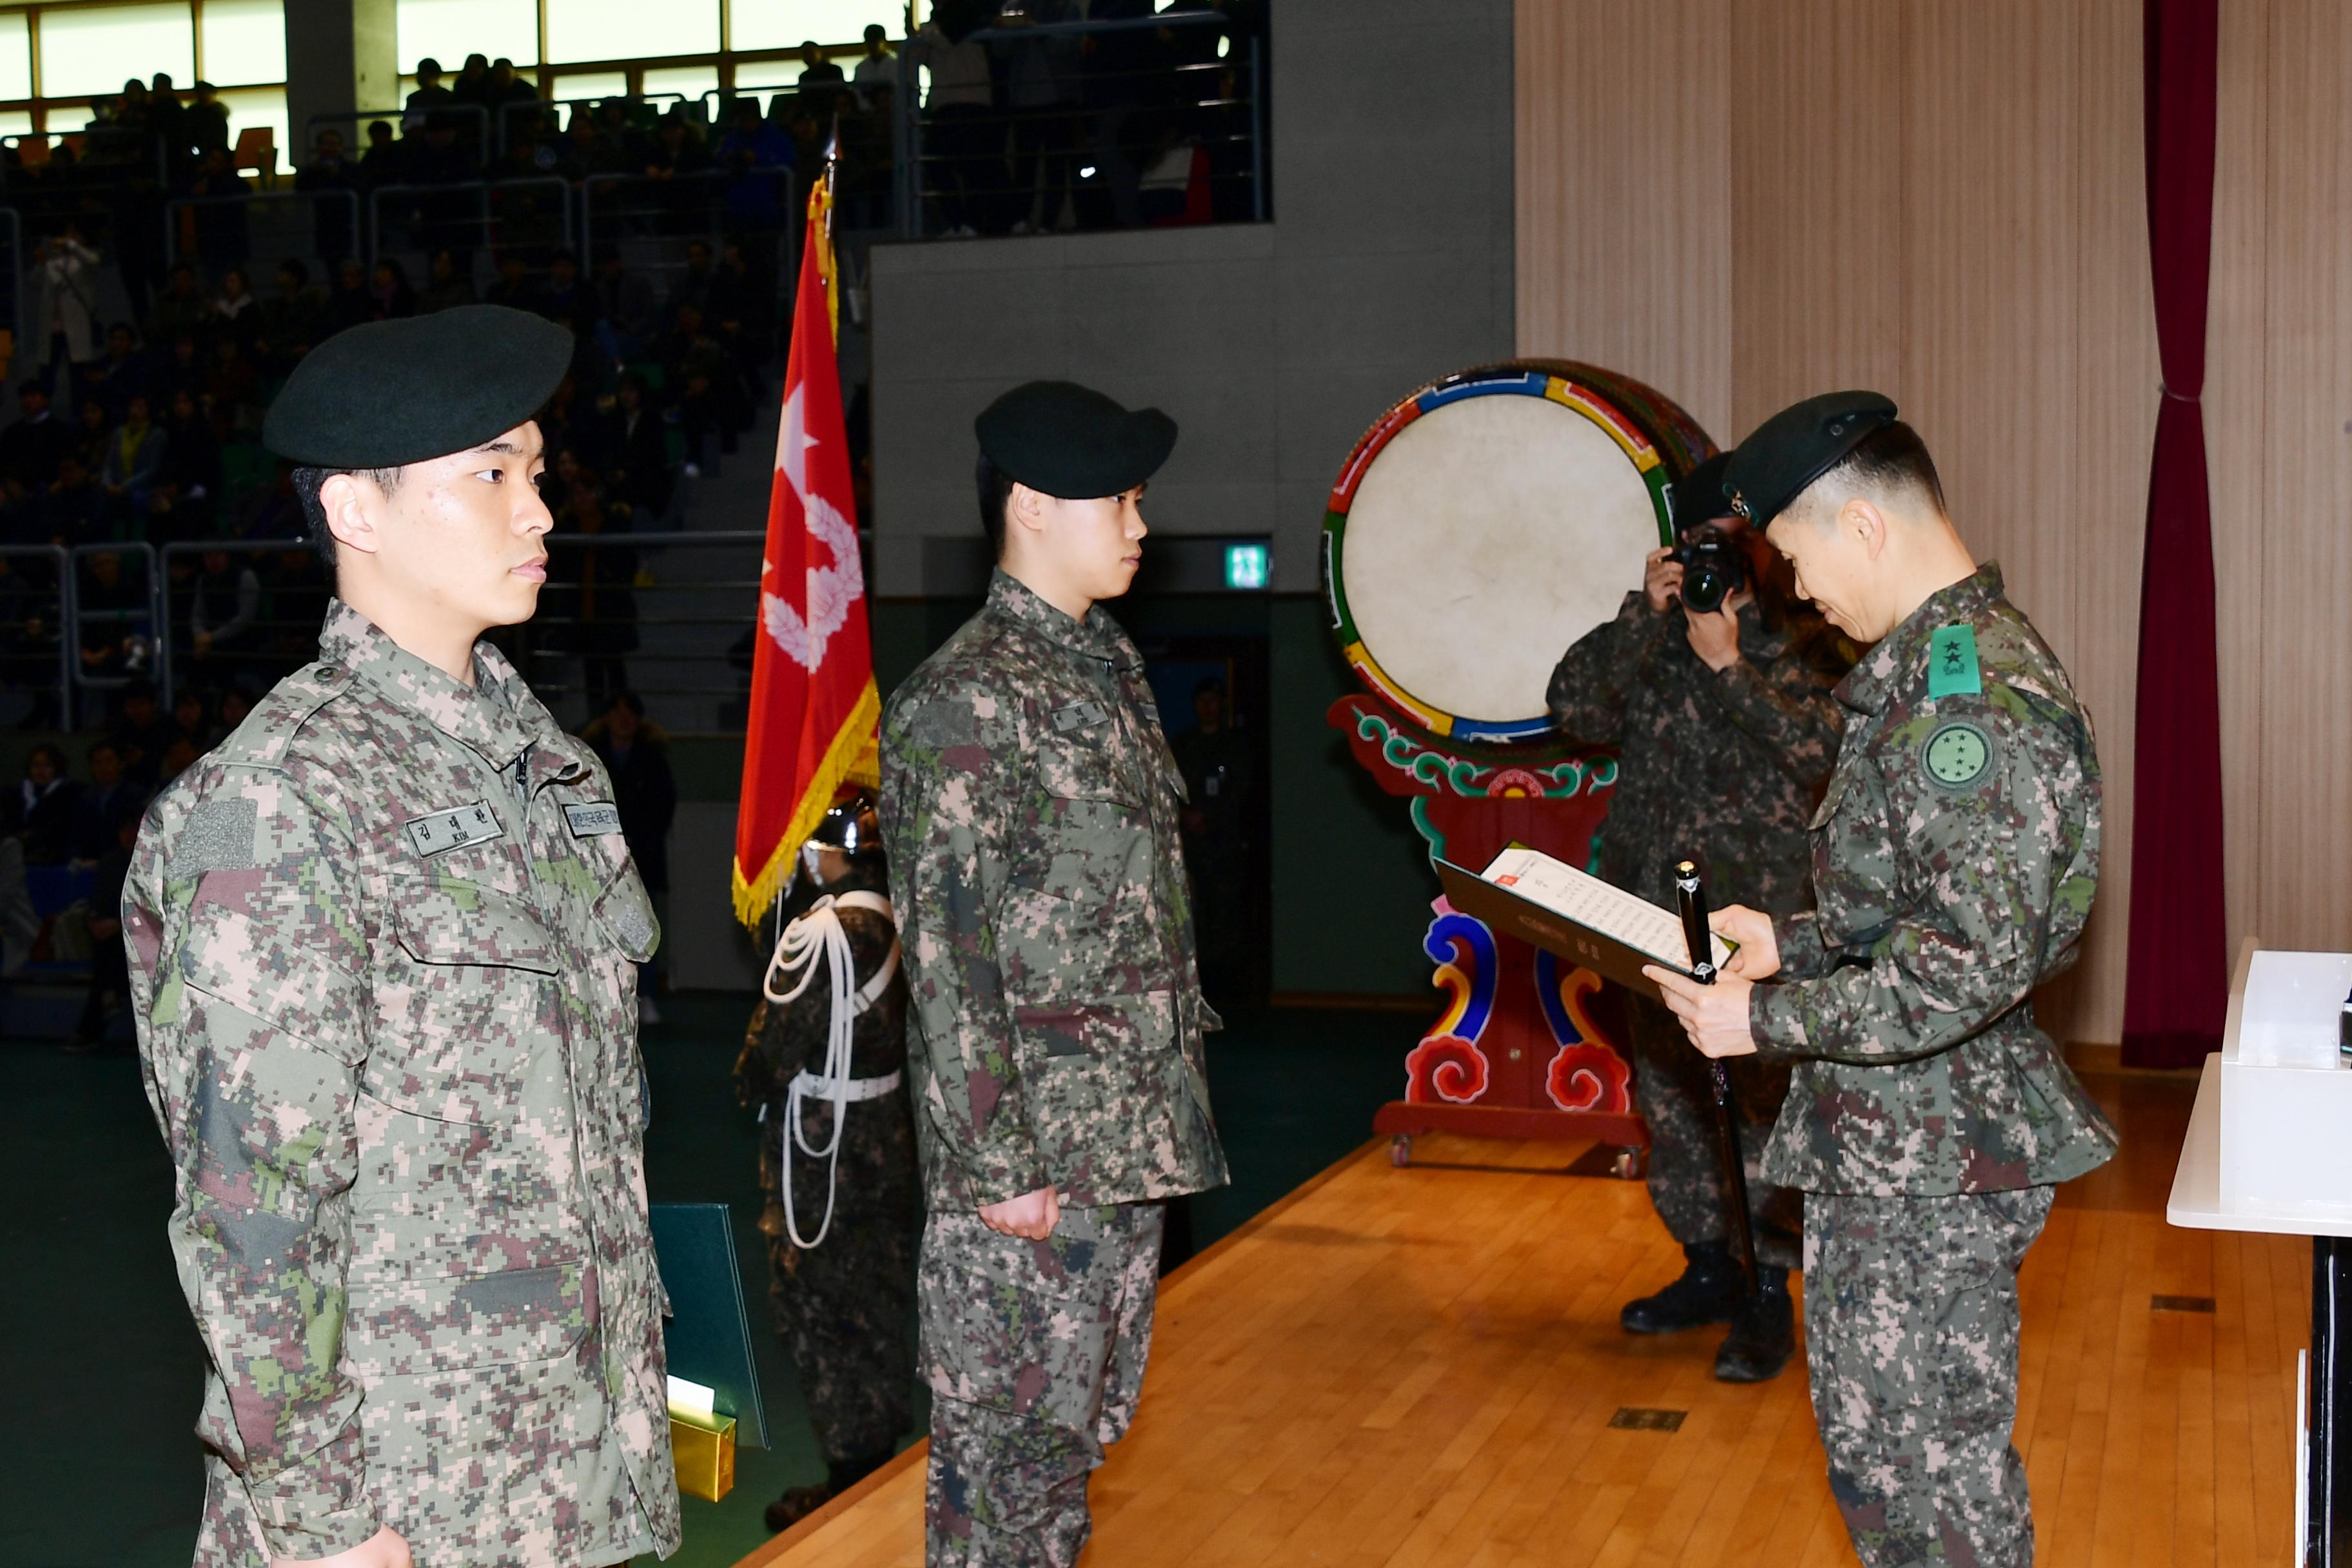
{"x": 1487, "y": 521}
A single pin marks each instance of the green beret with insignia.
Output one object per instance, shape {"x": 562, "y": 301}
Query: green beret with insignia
{"x": 1070, "y": 441}
{"x": 1798, "y": 445}
{"x": 384, "y": 394}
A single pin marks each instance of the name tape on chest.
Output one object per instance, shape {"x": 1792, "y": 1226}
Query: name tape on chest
{"x": 455, "y": 828}
{"x": 1080, "y": 716}
{"x": 594, "y": 820}
{"x": 1952, "y": 663}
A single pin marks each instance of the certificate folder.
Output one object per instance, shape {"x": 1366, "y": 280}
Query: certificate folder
{"x": 1551, "y": 904}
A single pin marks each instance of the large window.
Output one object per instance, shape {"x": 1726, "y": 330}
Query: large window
{"x": 56, "y": 56}
{"x": 56, "y": 59}
{"x": 88, "y": 50}
{"x": 783, "y": 24}
{"x": 627, "y": 29}
{"x": 243, "y": 41}
{"x": 449, "y": 30}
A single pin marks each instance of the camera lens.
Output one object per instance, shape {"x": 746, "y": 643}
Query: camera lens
{"x": 1705, "y": 586}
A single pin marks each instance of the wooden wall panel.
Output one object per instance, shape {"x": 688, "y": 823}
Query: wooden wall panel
{"x": 1624, "y": 257}
{"x": 2237, "y": 462}
{"x": 2278, "y": 413}
{"x": 1943, "y": 202}
{"x": 1816, "y": 201}
{"x": 2304, "y": 677}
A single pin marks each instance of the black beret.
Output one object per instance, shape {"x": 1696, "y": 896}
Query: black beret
{"x": 1698, "y": 496}
{"x": 1798, "y": 445}
{"x": 387, "y": 393}
{"x": 1066, "y": 440}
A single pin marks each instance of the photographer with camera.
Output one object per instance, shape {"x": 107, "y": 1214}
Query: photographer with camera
{"x": 1714, "y": 685}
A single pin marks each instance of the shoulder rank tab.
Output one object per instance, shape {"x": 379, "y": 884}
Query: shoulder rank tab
{"x": 1952, "y": 663}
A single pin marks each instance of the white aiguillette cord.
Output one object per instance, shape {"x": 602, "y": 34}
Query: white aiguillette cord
{"x": 817, "y": 933}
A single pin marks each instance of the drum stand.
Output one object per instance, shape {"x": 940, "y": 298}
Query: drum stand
{"x": 1526, "y": 1046}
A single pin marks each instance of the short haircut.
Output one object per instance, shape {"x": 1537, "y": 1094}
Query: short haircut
{"x": 307, "y": 482}
{"x": 1891, "y": 464}
{"x": 995, "y": 487}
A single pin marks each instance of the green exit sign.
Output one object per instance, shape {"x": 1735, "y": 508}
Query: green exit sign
{"x": 1248, "y": 566}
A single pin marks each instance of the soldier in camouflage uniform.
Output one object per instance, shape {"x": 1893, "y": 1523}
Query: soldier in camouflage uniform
{"x": 1955, "y": 857}
{"x": 1725, "y": 732}
{"x": 383, "y": 944}
{"x": 1030, "y": 807}
{"x": 844, "y": 1303}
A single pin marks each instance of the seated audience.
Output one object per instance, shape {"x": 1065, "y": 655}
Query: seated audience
{"x": 109, "y": 801}
{"x": 39, "y": 812}
{"x": 31, "y": 448}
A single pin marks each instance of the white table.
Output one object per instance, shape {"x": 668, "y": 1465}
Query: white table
{"x": 2269, "y": 1150}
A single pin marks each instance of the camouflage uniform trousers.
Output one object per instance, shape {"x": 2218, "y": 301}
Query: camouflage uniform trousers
{"x": 1676, "y": 1095}
{"x": 1034, "y": 1351}
{"x": 845, "y": 1308}
{"x": 1911, "y": 1325}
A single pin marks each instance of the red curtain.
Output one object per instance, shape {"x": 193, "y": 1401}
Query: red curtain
{"x": 2177, "y": 990}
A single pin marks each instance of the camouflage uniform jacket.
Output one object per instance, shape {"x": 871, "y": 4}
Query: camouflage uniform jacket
{"x": 1729, "y": 765}
{"x": 383, "y": 944}
{"x": 1955, "y": 857}
{"x": 1029, "y": 802}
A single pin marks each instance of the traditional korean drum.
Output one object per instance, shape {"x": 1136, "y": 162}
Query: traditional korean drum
{"x": 1487, "y": 521}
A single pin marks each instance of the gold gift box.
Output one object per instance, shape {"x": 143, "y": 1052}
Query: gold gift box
{"x": 703, "y": 1447}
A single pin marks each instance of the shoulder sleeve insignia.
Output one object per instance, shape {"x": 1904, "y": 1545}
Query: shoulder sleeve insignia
{"x": 1956, "y": 755}
{"x": 217, "y": 837}
{"x": 1952, "y": 662}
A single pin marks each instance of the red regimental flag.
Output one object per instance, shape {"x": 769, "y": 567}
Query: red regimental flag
{"x": 816, "y": 714}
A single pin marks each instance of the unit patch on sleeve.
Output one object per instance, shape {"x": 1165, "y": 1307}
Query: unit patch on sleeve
{"x": 593, "y": 820}
{"x": 218, "y": 836}
{"x": 463, "y": 825}
{"x": 1956, "y": 755}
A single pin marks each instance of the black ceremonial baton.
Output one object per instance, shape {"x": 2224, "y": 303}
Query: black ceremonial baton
{"x": 1690, "y": 896}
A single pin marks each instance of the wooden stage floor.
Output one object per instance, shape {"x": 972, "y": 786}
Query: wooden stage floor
{"x": 1420, "y": 1366}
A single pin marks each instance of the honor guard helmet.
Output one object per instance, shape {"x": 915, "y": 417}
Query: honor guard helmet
{"x": 850, "y": 826}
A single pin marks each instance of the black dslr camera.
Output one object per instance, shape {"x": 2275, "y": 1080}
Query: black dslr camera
{"x": 1713, "y": 570}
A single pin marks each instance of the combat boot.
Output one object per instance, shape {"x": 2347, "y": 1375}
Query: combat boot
{"x": 1706, "y": 1293}
{"x": 1763, "y": 1332}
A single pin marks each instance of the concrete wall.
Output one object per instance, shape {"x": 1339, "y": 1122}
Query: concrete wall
{"x": 1388, "y": 262}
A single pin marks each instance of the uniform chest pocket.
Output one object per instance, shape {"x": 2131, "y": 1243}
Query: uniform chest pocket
{"x": 1092, "y": 835}
{"x": 466, "y": 1004}
{"x": 1855, "y": 865}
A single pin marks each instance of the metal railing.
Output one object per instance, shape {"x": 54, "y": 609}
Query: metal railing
{"x": 257, "y": 228}
{"x": 660, "y": 214}
{"x": 1121, "y": 153}
{"x": 19, "y": 316}
{"x": 281, "y": 639}
{"x": 480, "y": 219}
{"x": 677, "y": 638}
{"x": 688, "y": 627}
{"x": 355, "y": 144}
{"x": 39, "y": 575}
{"x": 143, "y": 648}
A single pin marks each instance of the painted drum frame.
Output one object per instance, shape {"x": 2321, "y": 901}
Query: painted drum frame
{"x": 1663, "y": 442}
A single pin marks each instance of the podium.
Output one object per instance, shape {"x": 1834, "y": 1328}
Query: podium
{"x": 2269, "y": 1150}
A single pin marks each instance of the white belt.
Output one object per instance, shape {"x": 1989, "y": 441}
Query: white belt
{"x": 848, "y": 1090}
